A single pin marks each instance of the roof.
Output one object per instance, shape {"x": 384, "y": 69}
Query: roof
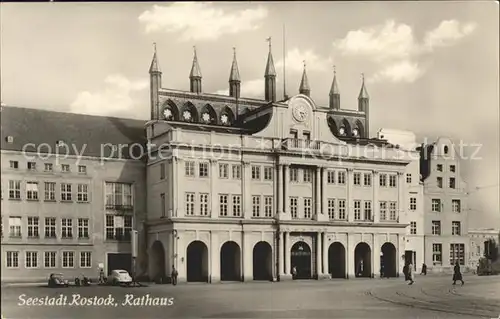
{"x": 83, "y": 134}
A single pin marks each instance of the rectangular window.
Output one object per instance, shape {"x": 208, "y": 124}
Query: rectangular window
{"x": 33, "y": 227}
{"x": 452, "y": 182}
{"x": 204, "y": 204}
{"x": 383, "y": 211}
{"x": 331, "y": 208}
{"x": 452, "y": 168}
{"x": 294, "y": 174}
{"x": 15, "y": 227}
{"x": 455, "y": 205}
{"x": 357, "y": 178}
{"x": 307, "y": 175}
{"x": 256, "y": 206}
{"x": 367, "y": 179}
{"x": 203, "y": 169}
{"x": 223, "y": 204}
{"x": 456, "y": 229}
{"x": 162, "y": 170}
{"x": 66, "y": 192}
{"x": 357, "y": 210}
{"x": 457, "y": 253}
{"x": 15, "y": 189}
{"x": 413, "y": 228}
{"x": 50, "y": 227}
{"x": 436, "y": 227}
{"x": 189, "y": 168}
{"x": 119, "y": 195}
{"x": 68, "y": 259}
{"x": 341, "y": 177}
{"x": 341, "y": 204}
{"x": 413, "y": 203}
{"x": 83, "y": 228}
{"x": 49, "y": 259}
{"x": 65, "y": 168}
{"x": 306, "y": 135}
{"x": 12, "y": 259}
{"x": 255, "y": 172}
{"x": 163, "y": 205}
{"x": 436, "y": 205}
{"x": 268, "y": 206}
{"x": 49, "y": 167}
{"x": 50, "y": 191}
{"x": 32, "y": 166}
{"x": 82, "y": 194}
{"x": 393, "y": 215}
{"x": 439, "y": 167}
{"x": 118, "y": 227}
{"x": 392, "y": 180}
{"x": 383, "y": 180}
{"x": 437, "y": 254}
{"x": 31, "y": 259}
{"x": 236, "y": 171}
{"x": 236, "y": 205}
{"x": 268, "y": 173}
{"x": 66, "y": 228}
{"x": 189, "y": 204}
{"x": 330, "y": 176}
{"x": 32, "y": 190}
{"x": 294, "y": 201}
{"x": 368, "y": 211}
{"x": 85, "y": 259}
{"x": 408, "y": 178}
{"x": 14, "y": 164}
{"x": 439, "y": 181}
{"x": 82, "y": 169}
{"x": 223, "y": 170}
{"x": 307, "y": 207}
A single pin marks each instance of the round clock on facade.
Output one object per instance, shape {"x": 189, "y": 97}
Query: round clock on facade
{"x": 300, "y": 112}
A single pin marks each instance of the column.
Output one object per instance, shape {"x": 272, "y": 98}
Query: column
{"x": 324, "y": 200}
{"x": 245, "y": 190}
{"x": 319, "y": 253}
{"x": 351, "y": 272}
{"x": 213, "y": 189}
{"x": 281, "y": 255}
{"x": 281, "y": 193}
{"x": 401, "y": 197}
{"x": 286, "y": 188}
{"x": 209, "y": 257}
{"x": 318, "y": 191}
{"x": 325, "y": 253}
{"x": 349, "y": 204}
{"x": 288, "y": 257}
{"x": 175, "y": 188}
{"x": 376, "y": 205}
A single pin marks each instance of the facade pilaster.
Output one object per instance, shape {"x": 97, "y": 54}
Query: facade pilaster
{"x": 318, "y": 191}
{"x": 401, "y": 196}
{"x": 213, "y": 188}
{"x": 175, "y": 188}
{"x": 281, "y": 193}
{"x": 324, "y": 200}
{"x": 350, "y": 269}
{"x": 376, "y": 205}
{"x": 286, "y": 189}
{"x": 325, "y": 254}
{"x": 288, "y": 257}
{"x": 246, "y": 258}
{"x": 215, "y": 259}
{"x": 377, "y": 251}
{"x": 245, "y": 190}
{"x": 349, "y": 204}
{"x": 319, "y": 253}
{"x": 281, "y": 256}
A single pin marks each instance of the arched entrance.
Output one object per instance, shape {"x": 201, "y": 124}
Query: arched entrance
{"x": 262, "y": 261}
{"x": 388, "y": 261}
{"x": 230, "y": 262}
{"x": 157, "y": 261}
{"x": 363, "y": 260}
{"x": 301, "y": 259}
{"x": 197, "y": 262}
{"x": 336, "y": 260}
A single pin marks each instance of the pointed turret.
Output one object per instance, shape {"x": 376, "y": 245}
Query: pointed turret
{"x": 234, "y": 78}
{"x": 154, "y": 85}
{"x": 363, "y": 93}
{"x": 364, "y": 106}
{"x": 195, "y": 75}
{"x": 334, "y": 92}
{"x": 304, "y": 83}
{"x": 270, "y": 77}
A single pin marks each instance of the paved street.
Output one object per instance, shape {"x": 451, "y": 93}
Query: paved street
{"x": 430, "y": 297}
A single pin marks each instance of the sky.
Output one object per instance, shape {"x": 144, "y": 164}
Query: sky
{"x": 430, "y": 67}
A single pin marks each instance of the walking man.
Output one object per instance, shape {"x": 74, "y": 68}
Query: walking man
{"x": 457, "y": 275}
{"x": 174, "y": 276}
{"x": 410, "y": 274}
{"x": 424, "y": 269}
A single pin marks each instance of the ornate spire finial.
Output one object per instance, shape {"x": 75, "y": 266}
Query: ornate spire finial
{"x": 154, "y": 47}
{"x": 234, "y": 51}
{"x": 334, "y": 70}
{"x": 304, "y": 61}
{"x": 269, "y": 40}
{"x": 363, "y": 77}
{"x": 194, "y": 50}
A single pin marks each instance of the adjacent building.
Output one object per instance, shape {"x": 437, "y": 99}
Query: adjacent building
{"x": 479, "y": 243}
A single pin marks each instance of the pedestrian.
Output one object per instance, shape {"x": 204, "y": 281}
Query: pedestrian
{"x": 294, "y": 272}
{"x": 457, "y": 275}
{"x": 410, "y": 274}
{"x": 405, "y": 271}
{"x": 174, "y": 276}
{"x": 424, "y": 269}
{"x": 101, "y": 276}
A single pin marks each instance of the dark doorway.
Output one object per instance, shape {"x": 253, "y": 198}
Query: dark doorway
{"x": 336, "y": 260}
{"x": 197, "y": 262}
{"x": 262, "y": 261}
{"x": 301, "y": 259}
{"x": 119, "y": 261}
{"x": 230, "y": 262}
{"x": 388, "y": 261}
{"x": 157, "y": 261}
{"x": 363, "y": 260}
{"x": 408, "y": 257}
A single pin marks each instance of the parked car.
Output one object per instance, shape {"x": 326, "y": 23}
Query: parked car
{"x": 119, "y": 277}
{"x": 57, "y": 280}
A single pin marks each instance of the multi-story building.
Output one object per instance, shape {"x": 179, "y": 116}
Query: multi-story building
{"x": 478, "y": 243}
{"x": 67, "y": 201}
{"x": 414, "y": 217}
{"x": 242, "y": 189}
{"x": 445, "y": 206}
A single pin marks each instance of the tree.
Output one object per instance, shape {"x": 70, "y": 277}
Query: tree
{"x": 491, "y": 250}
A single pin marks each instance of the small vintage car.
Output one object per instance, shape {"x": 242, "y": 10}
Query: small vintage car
{"x": 57, "y": 280}
{"x": 119, "y": 277}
